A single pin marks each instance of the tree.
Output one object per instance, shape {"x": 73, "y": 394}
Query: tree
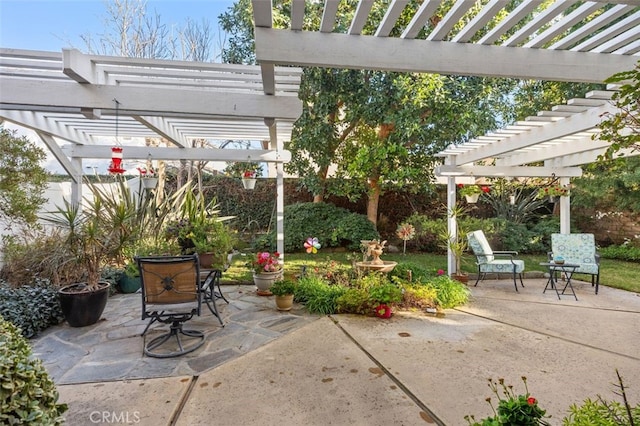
{"x": 379, "y": 129}
{"x": 22, "y": 178}
{"x": 622, "y": 129}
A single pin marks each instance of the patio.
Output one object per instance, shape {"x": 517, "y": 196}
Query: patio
{"x": 266, "y": 366}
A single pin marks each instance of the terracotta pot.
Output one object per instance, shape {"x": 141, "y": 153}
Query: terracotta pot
{"x": 463, "y": 278}
{"x": 206, "y": 260}
{"x": 285, "y": 302}
{"x": 82, "y": 308}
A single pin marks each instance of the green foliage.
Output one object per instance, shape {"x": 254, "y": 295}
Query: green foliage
{"x": 22, "y": 178}
{"x": 620, "y": 129}
{"x": 27, "y": 394}
{"x": 318, "y": 296}
{"x": 626, "y": 252}
{"x": 449, "y": 292}
{"x": 418, "y": 272}
{"x": 419, "y": 296}
{"x": 30, "y": 308}
{"x": 386, "y": 293}
{"x": 609, "y": 185}
{"x": 354, "y": 301}
{"x": 526, "y": 205}
{"x": 284, "y": 287}
{"x": 333, "y": 226}
{"x": 604, "y": 413}
{"x": 521, "y": 410}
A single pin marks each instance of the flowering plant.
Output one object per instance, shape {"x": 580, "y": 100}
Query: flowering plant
{"x": 147, "y": 173}
{"x": 554, "y": 191}
{"x": 266, "y": 262}
{"x": 512, "y": 409}
{"x": 472, "y": 189}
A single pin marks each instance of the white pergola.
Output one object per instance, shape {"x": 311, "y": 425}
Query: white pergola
{"x": 587, "y": 44}
{"x": 77, "y": 103}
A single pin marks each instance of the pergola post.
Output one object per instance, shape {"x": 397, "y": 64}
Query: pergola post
{"x": 451, "y": 223}
{"x": 76, "y": 182}
{"x": 565, "y": 209}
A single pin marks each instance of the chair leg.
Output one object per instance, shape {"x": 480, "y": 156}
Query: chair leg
{"x": 478, "y": 277}
{"x": 597, "y": 281}
{"x": 521, "y": 282}
{"x": 514, "y": 279}
{"x": 175, "y": 331}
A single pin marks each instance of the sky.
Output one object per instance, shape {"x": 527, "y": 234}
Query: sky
{"x": 54, "y": 24}
{"x": 51, "y": 25}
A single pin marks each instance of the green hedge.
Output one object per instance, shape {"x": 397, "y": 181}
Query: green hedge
{"x": 30, "y": 308}
{"x": 27, "y": 394}
{"x": 333, "y": 226}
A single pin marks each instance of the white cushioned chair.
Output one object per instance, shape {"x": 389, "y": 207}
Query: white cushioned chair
{"x": 578, "y": 249}
{"x": 494, "y": 262}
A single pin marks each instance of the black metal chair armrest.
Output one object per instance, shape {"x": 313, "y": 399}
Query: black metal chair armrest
{"x": 597, "y": 259}
{"x": 514, "y": 253}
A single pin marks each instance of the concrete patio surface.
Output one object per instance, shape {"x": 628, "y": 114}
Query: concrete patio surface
{"x": 272, "y": 368}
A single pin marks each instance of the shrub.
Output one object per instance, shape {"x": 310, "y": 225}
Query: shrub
{"x": 449, "y": 293}
{"x": 333, "y": 226}
{"x": 318, "y": 296}
{"x": 418, "y": 296}
{"x": 622, "y": 252}
{"x": 604, "y": 413}
{"x": 354, "y": 301}
{"x": 418, "y": 272}
{"x": 27, "y": 394}
{"x": 31, "y": 308}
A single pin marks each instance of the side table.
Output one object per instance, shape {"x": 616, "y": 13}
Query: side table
{"x": 568, "y": 269}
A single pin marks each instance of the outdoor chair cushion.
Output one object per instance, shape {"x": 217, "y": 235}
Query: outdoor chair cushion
{"x": 487, "y": 259}
{"x": 578, "y": 249}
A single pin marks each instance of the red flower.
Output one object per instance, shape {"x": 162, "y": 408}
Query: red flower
{"x": 460, "y": 185}
{"x": 531, "y": 400}
{"x": 249, "y": 174}
{"x": 440, "y": 271}
{"x": 485, "y": 189}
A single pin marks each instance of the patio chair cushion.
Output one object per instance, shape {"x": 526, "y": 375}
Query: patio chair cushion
{"x": 480, "y": 247}
{"x": 579, "y": 249}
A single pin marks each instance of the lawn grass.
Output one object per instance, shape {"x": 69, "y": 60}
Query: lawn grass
{"x": 613, "y": 273}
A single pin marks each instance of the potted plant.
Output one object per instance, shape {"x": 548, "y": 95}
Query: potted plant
{"x": 383, "y": 296}
{"x": 472, "y": 192}
{"x": 148, "y": 177}
{"x": 284, "y": 290}
{"x": 199, "y": 229}
{"x": 129, "y": 280}
{"x": 267, "y": 269}
{"x": 554, "y": 192}
{"x": 94, "y": 235}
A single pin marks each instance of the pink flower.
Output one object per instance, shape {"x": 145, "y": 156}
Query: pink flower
{"x": 440, "y": 271}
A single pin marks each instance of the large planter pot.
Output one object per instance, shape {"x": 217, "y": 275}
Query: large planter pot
{"x": 265, "y": 280}
{"x": 284, "y": 302}
{"x": 81, "y": 307}
{"x": 128, "y": 284}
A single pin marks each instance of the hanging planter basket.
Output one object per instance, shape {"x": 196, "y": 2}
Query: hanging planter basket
{"x": 249, "y": 183}
{"x": 149, "y": 182}
{"x": 472, "y": 199}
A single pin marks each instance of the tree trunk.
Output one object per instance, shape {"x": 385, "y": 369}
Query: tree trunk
{"x": 322, "y": 176}
{"x": 372, "y": 201}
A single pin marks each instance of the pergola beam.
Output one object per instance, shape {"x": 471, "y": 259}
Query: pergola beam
{"x": 496, "y": 171}
{"x": 146, "y": 101}
{"x": 175, "y": 154}
{"x": 333, "y": 50}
